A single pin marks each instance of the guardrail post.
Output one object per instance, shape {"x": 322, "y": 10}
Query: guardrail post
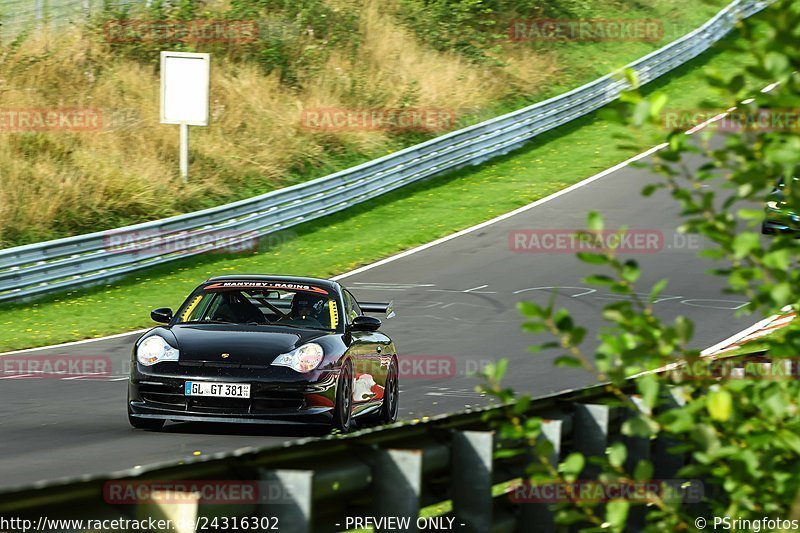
{"x": 590, "y": 434}
{"x": 638, "y": 450}
{"x": 397, "y": 480}
{"x": 638, "y": 447}
{"x": 538, "y": 516}
{"x": 471, "y": 481}
{"x": 666, "y": 464}
{"x": 287, "y": 496}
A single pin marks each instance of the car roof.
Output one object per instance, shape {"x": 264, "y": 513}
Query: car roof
{"x": 324, "y": 283}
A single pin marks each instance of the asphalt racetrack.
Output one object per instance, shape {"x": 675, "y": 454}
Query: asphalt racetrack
{"x": 456, "y": 307}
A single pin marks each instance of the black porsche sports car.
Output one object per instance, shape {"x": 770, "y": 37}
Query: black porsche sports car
{"x": 779, "y": 218}
{"x": 256, "y": 349}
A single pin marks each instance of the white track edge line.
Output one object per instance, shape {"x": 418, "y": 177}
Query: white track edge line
{"x": 407, "y": 252}
{"x": 504, "y": 216}
{"x": 75, "y": 343}
{"x": 446, "y": 238}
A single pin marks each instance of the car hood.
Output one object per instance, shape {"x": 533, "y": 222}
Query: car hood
{"x": 243, "y": 344}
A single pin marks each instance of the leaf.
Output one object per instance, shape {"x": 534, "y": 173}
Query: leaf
{"x": 533, "y": 327}
{"x": 648, "y": 386}
{"x": 530, "y": 309}
{"x": 657, "y": 289}
{"x": 572, "y": 466}
{"x": 522, "y": 404}
{"x": 720, "y": 405}
{"x": 751, "y": 214}
{"x": 617, "y": 514}
{"x": 779, "y": 259}
{"x": 567, "y": 361}
{"x": 500, "y": 369}
{"x": 639, "y": 426}
{"x": 706, "y": 436}
{"x": 593, "y": 258}
{"x": 563, "y": 320}
{"x": 648, "y": 190}
{"x": 594, "y": 221}
{"x": 792, "y": 440}
{"x": 657, "y": 103}
{"x": 599, "y": 279}
{"x": 643, "y": 470}
{"x": 536, "y": 348}
{"x": 744, "y": 243}
{"x": 781, "y": 292}
{"x": 684, "y": 327}
{"x": 640, "y": 112}
{"x": 631, "y": 272}
{"x": 617, "y": 453}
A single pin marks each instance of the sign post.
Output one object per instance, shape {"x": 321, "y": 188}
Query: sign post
{"x": 184, "y": 96}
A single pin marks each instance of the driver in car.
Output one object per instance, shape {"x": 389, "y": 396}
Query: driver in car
{"x": 306, "y": 311}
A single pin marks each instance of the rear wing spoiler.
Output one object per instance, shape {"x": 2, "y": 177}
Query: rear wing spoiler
{"x": 378, "y": 307}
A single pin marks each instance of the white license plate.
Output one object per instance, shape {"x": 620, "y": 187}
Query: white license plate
{"x": 219, "y": 390}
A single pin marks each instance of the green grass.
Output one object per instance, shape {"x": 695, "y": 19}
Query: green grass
{"x": 397, "y": 221}
{"x": 359, "y": 56}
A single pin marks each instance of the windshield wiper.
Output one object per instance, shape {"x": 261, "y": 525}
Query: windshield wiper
{"x": 284, "y": 325}
{"x": 209, "y": 322}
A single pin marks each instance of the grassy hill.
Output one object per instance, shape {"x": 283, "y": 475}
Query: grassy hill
{"x": 453, "y": 55}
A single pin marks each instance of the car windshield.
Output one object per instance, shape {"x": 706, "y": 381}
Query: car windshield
{"x": 266, "y": 303}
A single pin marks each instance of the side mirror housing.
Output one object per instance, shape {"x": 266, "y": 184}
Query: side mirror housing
{"x": 162, "y": 314}
{"x": 365, "y": 323}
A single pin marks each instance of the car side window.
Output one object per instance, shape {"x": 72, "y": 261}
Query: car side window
{"x": 352, "y": 308}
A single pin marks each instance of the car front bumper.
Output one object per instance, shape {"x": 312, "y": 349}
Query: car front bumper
{"x": 306, "y": 401}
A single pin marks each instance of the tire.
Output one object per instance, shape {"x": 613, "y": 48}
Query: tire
{"x": 343, "y": 410}
{"x": 391, "y": 396}
{"x": 153, "y": 424}
{"x": 766, "y": 230}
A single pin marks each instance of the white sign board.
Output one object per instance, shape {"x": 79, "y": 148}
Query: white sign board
{"x": 184, "y": 88}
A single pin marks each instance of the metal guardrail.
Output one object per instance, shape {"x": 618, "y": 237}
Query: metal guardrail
{"x": 21, "y": 16}
{"x": 316, "y": 484}
{"x": 34, "y": 269}
{"x": 448, "y": 463}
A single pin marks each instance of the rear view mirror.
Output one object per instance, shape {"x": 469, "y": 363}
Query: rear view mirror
{"x": 162, "y": 314}
{"x": 366, "y": 323}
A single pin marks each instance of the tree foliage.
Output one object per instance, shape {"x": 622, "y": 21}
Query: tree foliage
{"x": 741, "y": 436}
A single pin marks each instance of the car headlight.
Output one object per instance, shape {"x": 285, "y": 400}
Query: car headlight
{"x": 773, "y": 204}
{"x": 155, "y": 349}
{"x": 303, "y": 359}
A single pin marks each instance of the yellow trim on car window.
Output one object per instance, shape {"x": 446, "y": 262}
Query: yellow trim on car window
{"x": 191, "y": 307}
{"x": 334, "y": 311}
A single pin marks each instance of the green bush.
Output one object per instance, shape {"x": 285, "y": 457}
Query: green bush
{"x": 741, "y": 436}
